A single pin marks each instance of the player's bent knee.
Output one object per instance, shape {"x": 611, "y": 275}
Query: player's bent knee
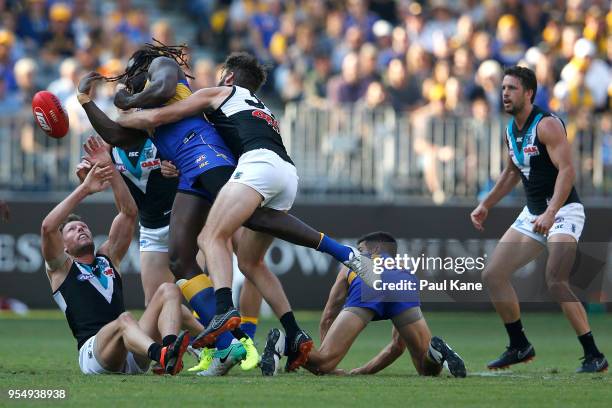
{"x": 126, "y": 319}
{"x": 169, "y": 291}
{"x": 204, "y": 239}
{"x": 560, "y": 290}
{"x": 248, "y": 265}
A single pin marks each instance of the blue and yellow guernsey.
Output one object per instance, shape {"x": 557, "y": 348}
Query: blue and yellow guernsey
{"x": 384, "y": 304}
{"x": 192, "y": 143}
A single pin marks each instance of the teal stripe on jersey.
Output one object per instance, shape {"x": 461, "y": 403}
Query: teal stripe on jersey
{"x": 519, "y": 152}
{"x": 136, "y": 171}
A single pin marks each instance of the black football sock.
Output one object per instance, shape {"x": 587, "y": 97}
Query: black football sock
{"x": 154, "y": 352}
{"x": 224, "y": 300}
{"x": 289, "y": 324}
{"x": 168, "y": 340}
{"x": 239, "y": 334}
{"x": 518, "y": 340}
{"x": 588, "y": 344}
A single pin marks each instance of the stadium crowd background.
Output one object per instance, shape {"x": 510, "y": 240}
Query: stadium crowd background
{"x": 423, "y": 60}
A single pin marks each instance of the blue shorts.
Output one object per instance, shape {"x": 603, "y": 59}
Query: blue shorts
{"x": 382, "y": 310}
{"x": 186, "y": 188}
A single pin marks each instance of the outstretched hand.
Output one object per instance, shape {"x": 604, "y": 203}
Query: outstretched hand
{"x": 98, "y": 178}
{"x": 97, "y": 151}
{"x": 82, "y": 169}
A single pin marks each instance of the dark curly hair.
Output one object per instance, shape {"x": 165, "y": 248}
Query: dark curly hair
{"x": 140, "y": 61}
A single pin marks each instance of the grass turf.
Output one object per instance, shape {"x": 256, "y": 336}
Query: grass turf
{"x": 37, "y": 352}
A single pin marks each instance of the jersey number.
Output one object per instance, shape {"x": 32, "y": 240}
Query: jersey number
{"x": 256, "y": 103}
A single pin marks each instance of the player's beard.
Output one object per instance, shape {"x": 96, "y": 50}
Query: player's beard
{"x": 83, "y": 249}
{"x": 515, "y": 108}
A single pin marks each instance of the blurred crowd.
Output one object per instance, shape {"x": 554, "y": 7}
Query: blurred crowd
{"x": 428, "y": 58}
{"x": 434, "y": 57}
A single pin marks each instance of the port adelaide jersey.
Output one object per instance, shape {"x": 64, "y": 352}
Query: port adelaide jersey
{"x": 246, "y": 124}
{"x": 153, "y": 193}
{"x": 538, "y": 172}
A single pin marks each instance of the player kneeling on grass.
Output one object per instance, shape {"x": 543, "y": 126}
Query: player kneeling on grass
{"x": 347, "y": 313}
{"x": 87, "y": 287}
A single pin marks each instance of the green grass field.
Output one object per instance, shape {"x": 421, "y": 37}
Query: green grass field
{"x": 38, "y": 352}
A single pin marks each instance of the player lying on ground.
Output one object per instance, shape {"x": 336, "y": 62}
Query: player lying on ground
{"x": 346, "y": 315}
{"x": 141, "y": 169}
{"x": 553, "y": 218}
{"x": 87, "y": 287}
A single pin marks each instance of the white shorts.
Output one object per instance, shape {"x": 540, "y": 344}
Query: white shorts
{"x": 154, "y": 240}
{"x": 272, "y": 177}
{"x": 89, "y": 364}
{"x": 569, "y": 220}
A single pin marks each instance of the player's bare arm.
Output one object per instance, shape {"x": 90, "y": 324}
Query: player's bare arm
{"x": 163, "y": 75}
{"x": 333, "y": 307}
{"x": 201, "y": 101}
{"x": 110, "y": 131}
{"x": 122, "y": 228}
{"x": 385, "y": 357}
{"x": 51, "y": 239}
{"x": 508, "y": 179}
{"x": 552, "y": 134}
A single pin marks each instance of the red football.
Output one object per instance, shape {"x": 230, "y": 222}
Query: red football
{"x": 49, "y": 114}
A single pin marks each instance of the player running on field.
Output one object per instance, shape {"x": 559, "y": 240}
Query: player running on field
{"x": 265, "y": 180}
{"x": 553, "y": 218}
{"x": 87, "y": 287}
{"x": 347, "y": 313}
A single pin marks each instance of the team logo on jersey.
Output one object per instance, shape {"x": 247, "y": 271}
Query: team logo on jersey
{"x": 82, "y": 277}
{"x": 269, "y": 119}
{"x": 188, "y": 137}
{"x": 532, "y": 150}
{"x": 149, "y": 153}
{"x": 237, "y": 175}
{"x": 109, "y": 272}
{"x": 153, "y": 164}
